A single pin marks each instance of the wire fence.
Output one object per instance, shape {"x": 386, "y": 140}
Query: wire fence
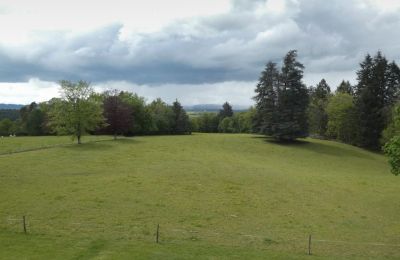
{"x": 166, "y": 233}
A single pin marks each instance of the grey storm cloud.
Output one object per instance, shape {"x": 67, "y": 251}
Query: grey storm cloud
{"x": 331, "y": 36}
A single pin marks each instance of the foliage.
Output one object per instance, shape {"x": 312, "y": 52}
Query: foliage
{"x": 78, "y": 112}
{"x": 392, "y": 149}
{"x": 12, "y": 114}
{"x": 342, "y": 124}
{"x": 393, "y": 127}
{"x": 226, "y": 111}
{"x": 180, "y": 124}
{"x": 6, "y": 127}
{"x": 227, "y": 125}
{"x": 282, "y": 100}
{"x": 117, "y": 114}
{"x": 377, "y": 83}
{"x": 345, "y": 87}
{"x": 317, "y": 115}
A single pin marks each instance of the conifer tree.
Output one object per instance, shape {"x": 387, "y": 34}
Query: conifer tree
{"x": 345, "y": 88}
{"x": 181, "y": 119}
{"x": 282, "y": 101}
{"x": 266, "y": 99}
{"x": 292, "y": 101}
{"x": 226, "y": 111}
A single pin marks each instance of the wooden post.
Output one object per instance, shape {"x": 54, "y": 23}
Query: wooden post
{"x": 24, "y": 223}
{"x": 309, "y": 245}
{"x": 158, "y": 233}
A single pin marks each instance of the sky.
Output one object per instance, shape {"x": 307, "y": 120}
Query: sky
{"x": 200, "y": 52}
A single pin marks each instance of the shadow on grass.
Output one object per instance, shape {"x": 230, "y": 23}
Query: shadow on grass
{"x": 102, "y": 144}
{"x": 315, "y": 146}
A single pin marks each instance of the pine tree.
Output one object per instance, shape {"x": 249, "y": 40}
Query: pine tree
{"x": 292, "y": 101}
{"x": 392, "y": 94}
{"x": 266, "y": 100}
{"x": 345, "y": 88}
{"x": 181, "y": 119}
{"x": 226, "y": 111}
{"x": 370, "y": 100}
{"x": 282, "y": 100}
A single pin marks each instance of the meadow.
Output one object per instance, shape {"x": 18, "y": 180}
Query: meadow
{"x": 215, "y": 196}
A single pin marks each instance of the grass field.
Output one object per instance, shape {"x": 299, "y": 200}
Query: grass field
{"x": 215, "y": 196}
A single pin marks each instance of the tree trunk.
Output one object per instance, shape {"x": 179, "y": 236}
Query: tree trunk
{"x": 79, "y": 139}
{"x": 115, "y": 136}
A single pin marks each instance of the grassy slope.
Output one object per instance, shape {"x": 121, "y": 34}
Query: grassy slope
{"x": 214, "y": 196}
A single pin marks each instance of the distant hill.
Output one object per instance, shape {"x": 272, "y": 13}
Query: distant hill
{"x": 211, "y": 108}
{"x": 10, "y": 106}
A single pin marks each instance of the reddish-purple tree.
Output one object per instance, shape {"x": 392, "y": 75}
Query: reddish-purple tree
{"x": 118, "y": 115}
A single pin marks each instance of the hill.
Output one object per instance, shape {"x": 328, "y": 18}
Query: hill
{"x": 214, "y": 196}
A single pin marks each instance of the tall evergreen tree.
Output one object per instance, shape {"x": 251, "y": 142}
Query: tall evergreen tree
{"x": 370, "y": 99}
{"x": 345, "y": 88}
{"x": 226, "y": 111}
{"x": 282, "y": 100}
{"x": 266, "y": 100}
{"x": 292, "y": 101}
{"x": 181, "y": 120}
{"x": 392, "y": 94}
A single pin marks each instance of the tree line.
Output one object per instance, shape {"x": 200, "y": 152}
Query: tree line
{"x": 366, "y": 114}
{"x": 81, "y": 110}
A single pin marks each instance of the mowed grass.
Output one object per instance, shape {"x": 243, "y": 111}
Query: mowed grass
{"x": 215, "y": 196}
{"x": 18, "y": 144}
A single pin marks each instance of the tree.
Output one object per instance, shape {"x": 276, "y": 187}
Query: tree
{"x": 162, "y": 117}
{"x": 318, "y": 118}
{"x": 226, "y": 111}
{"x": 267, "y": 90}
{"x": 393, "y": 127}
{"x": 227, "y": 125}
{"x": 6, "y": 127}
{"x": 345, "y": 87}
{"x": 78, "y": 111}
{"x": 342, "y": 124}
{"x": 117, "y": 114}
{"x": 371, "y": 100}
{"x": 392, "y": 149}
{"x": 181, "y": 120}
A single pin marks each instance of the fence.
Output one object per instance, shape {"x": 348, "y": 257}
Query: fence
{"x": 309, "y": 244}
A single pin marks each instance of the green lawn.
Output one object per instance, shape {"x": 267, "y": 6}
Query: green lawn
{"x": 215, "y": 196}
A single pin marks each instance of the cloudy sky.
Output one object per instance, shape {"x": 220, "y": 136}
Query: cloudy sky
{"x": 199, "y": 51}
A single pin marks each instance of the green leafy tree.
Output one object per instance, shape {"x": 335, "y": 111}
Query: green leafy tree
{"x": 78, "y": 111}
{"x": 227, "y": 125}
{"x": 6, "y": 127}
{"x": 318, "y": 117}
{"x": 162, "y": 117}
{"x": 342, "y": 114}
{"x": 393, "y": 127}
{"x": 392, "y": 149}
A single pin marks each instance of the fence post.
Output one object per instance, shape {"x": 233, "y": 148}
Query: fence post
{"x": 309, "y": 245}
{"x": 24, "y": 223}
{"x": 158, "y": 233}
